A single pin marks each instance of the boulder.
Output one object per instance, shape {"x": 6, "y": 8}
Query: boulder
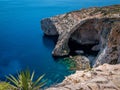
{"x": 74, "y": 63}
{"x": 82, "y": 62}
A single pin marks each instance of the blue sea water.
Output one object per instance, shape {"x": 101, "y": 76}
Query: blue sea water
{"x": 22, "y": 42}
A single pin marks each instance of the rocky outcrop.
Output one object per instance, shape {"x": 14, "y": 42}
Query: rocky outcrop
{"x": 76, "y": 62}
{"x": 82, "y": 62}
{"x": 104, "y": 77}
{"x": 97, "y": 25}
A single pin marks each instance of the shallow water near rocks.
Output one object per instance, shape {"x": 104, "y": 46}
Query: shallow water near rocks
{"x": 22, "y": 42}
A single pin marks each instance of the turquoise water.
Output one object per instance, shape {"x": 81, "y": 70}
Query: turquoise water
{"x": 22, "y": 42}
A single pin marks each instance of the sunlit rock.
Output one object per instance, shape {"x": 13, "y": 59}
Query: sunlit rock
{"x": 97, "y": 25}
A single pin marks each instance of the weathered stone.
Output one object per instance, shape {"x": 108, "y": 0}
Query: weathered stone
{"x": 82, "y": 62}
{"x": 79, "y": 52}
{"x": 84, "y": 26}
{"x": 76, "y": 62}
{"x": 110, "y": 52}
{"x": 88, "y": 80}
{"x": 97, "y": 25}
{"x": 96, "y": 48}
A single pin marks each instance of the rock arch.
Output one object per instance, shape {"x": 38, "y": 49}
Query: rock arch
{"x": 84, "y": 26}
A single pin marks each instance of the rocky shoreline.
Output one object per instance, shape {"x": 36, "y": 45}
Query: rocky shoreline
{"x": 98, "y": 27}
{"x": 104, "y": 77}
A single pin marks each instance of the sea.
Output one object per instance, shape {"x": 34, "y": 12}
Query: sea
{"x": 23, "y": 43}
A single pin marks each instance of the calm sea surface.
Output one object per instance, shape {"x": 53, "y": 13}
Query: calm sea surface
{"x": 22, "y": 42}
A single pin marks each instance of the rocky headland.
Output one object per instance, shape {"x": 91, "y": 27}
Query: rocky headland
{"x": 96, "y": 26}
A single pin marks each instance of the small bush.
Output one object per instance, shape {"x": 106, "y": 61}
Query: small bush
{"x": 24, "y": 81}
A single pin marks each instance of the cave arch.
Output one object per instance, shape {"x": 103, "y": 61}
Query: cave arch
{"x": 93, "y": 30}
{"x": 84, "y": 38}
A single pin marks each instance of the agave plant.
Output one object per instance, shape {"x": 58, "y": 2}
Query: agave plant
{"x": 6, "y": 86}
{"x": 24, "y": 81}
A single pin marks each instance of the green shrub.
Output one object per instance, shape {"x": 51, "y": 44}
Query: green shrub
{"x": 24, "y": 81}
{"x": 6, "y": 86}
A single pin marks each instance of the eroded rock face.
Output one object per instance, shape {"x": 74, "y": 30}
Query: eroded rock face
{"x": 96, "y": 25}
{"x": 110, "y": 52}
{"x": 104, "y": 77}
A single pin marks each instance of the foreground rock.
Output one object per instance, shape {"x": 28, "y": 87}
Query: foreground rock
{"x": 104, "y": 77}
{"x": 97, "y": 25}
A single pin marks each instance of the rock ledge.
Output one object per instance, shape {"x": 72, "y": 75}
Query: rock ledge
{"x": 104, "y": 77}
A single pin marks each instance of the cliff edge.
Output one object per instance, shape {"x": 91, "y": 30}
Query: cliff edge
{"x": 97, "y": 25}
{"x": 104, "y": 77}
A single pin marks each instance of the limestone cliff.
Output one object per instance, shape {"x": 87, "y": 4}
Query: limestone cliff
{"x": 97, "y": 25}
{"x": 104, "y": 77}
{"x": 110, "y": 53}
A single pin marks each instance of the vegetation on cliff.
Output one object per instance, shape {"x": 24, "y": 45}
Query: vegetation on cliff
{"x": 23, "y": 81}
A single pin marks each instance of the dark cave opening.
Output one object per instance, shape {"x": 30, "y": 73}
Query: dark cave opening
{"x": 85, "y": 49}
